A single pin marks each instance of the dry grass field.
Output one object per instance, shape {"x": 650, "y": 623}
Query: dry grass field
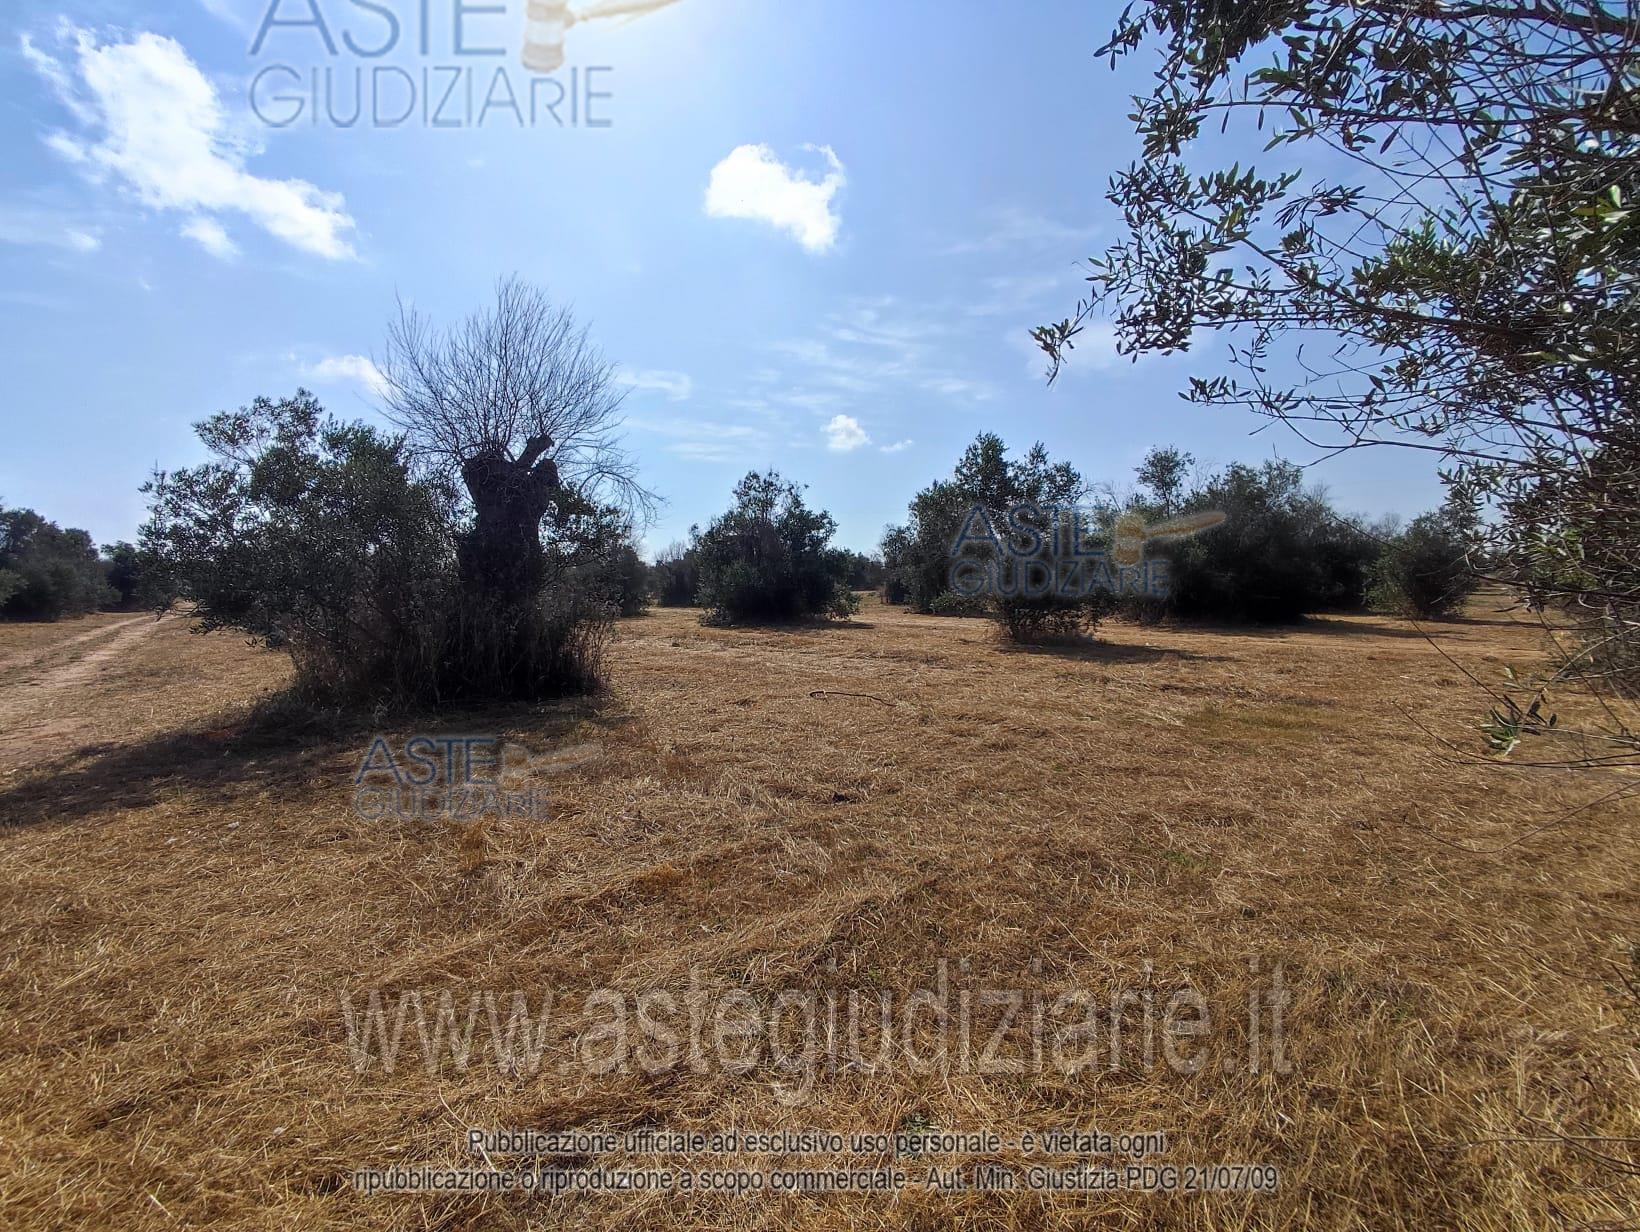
{"x": 187, "y": 893}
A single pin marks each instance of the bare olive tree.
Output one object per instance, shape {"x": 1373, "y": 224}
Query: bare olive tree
{"x": 519, "y": 407}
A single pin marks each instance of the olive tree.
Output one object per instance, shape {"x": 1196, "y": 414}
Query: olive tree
{"x": 521, "y": 412}
{"x": 519, "y": 406}
{"x": 1447, "y": 261}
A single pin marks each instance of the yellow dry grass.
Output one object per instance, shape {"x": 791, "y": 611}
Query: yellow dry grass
{"x": 184, "y": 899}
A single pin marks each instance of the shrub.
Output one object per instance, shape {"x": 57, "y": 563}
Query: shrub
{"x": 677, "y": 576}
{"x": 948, "y": 603}
{"x": 1050, "y": 621}
{"x": 123, "y": 566}
{"x": 47, "y": 572}
{"x": 863, "y": 572}
{"x": 1282, "y": 553}
{"x": 918, "y": 556}
{"x": 1425, "y": 573}
{"x": 318, "y": 537}
{"x": 769, "y": 558}
{"x": 594, "y": 554}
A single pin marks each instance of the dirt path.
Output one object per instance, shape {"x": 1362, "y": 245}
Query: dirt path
{"x": 29, "y": 658}
{"x": 36, "y": 719}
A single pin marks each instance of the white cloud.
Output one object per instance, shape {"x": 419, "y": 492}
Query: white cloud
{"x": 154, "y": 125}
{"x": 752, "y": 183}
{"x": 703, "y": 440}
{"x": 241, "y": 13}
{"x": 44, "y": 228}
{"x": 1015, "y": 228}
{"x": 1018, "y": 293}
{"x": 898, "y": 446}
{"x": 56, "y": 76}
{"x": 675, "y": 385}
{"x": 960, "y": 387}
{"x": 844, "y": 434}
{"x": 341, "y": 369}
{"x": 867, "y": 348}
{"x": 865, "y": 369}
{"x": 210, "y": 235}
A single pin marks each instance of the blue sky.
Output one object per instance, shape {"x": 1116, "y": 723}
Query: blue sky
{"x": 812, "y": 233}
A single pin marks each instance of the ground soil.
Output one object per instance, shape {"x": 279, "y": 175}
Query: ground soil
{"x": 189, "y": 897}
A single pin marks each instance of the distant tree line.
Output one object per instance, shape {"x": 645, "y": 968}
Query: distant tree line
{"x": 315, "y": 533}
{"x": 48, "y": 573}
{"x": 482, "y": 549}
{"x": 1282, "y": 552}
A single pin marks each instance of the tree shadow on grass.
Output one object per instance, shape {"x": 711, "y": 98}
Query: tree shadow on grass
{"x": 1335, "y": 625}
{"x": 274, "y": 744}
{"x": 812, "y": 625}
{"x": 1090, "y": 651}
{"x": 1422, "y": 631}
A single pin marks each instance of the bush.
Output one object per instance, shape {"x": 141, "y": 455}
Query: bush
{"x": 769, "y": 559}
{"x": 46, "y": 572}
{"x": 918, "y": 556}
{"x": 319, "y": 538}
{"x": 949, "y": 603}
{"x": 595, "y": 555}
{"x": 1425, "y": 573}
{"x": 1051, "y": 621}
{"x": 677, "y": 576}
{"x": 123, "y": 566}
{"x": 1282, "y": 553}
{"x": 863, "y": 572}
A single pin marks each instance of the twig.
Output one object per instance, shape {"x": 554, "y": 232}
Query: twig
{"x": 882, "y": 701}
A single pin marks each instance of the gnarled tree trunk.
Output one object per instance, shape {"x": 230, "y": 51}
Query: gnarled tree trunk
{"x": 502, "y": 566}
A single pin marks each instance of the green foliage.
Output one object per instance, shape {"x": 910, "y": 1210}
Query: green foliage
{"x": 897, "y": 547}
{"x": 677, "y": 575}
{"x": 629, "y": 581}
{"x": 1464, "y": 268}
{"x": 769, "y": 558}
{"x": 949, "y": 603}
{"x": 1426, "y": 572}
{"x": 1571, "y": 542}
{"x": 127, "y": 573}
{"x": 1282, "y": 553}
{"x": 918, "y": 556}
{"x": 594, "y": 554}
{"x": 864, "y": 572}
{"x": 1508, "y": 722}
{"x": 318, "y": 537}
{"x": 47, "y": 572}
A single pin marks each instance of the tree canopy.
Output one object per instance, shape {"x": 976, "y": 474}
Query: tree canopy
{"x": 1445, "y": 255}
